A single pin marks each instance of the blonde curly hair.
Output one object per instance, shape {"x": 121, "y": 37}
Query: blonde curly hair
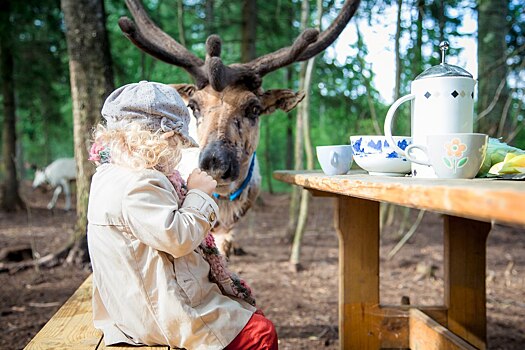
{"x": 137, "y": 147}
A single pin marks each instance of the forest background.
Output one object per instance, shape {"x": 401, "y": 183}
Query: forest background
{"x": 49, "y": 48}
{"x": 344, "y": 98}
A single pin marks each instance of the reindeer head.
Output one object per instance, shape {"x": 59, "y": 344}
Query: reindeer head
{"x": 227, "y": 100}
{"x": 228, "y": 125}
{"x": 40, "y": 179}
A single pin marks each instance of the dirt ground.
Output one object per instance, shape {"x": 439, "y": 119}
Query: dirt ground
{"x": 302, "y": 305}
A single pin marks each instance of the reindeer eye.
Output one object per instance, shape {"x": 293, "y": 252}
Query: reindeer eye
{"x": 253, "y": 111}
{"x": 194, "y": 108}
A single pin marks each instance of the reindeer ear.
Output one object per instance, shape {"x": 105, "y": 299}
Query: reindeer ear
{"x": 185, "y": 90}
{"x": 280, "y": 99}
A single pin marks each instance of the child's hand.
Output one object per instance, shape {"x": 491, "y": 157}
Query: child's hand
{"x": 200, "y": 180}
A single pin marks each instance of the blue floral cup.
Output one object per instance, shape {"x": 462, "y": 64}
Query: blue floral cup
{"x": 452, "y": 156}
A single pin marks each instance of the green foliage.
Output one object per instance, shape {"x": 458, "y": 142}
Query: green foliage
{"x": 41, "y": 81}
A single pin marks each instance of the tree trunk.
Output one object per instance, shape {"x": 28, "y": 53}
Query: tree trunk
{"x": 91, "y": 78}
{"x": 147, "y": 64}
{"x": 268, "y": 154}
{"x": 418, "y": 56}
{"x": 180, "y": 22}
{"x": 390, "y": 208}
{"x": 290, "y": 144}
{"x": 10, "y": 199}
{"x": 304, "y": 110}
{"x": 441, "y": 19}
{"x": 368, "y": 84}
{"x": 288, "y": 76}
{"x": 47, "y": 110}
{"x": 289, "y": 125}
{"x": 492, "y": 89}
{"x": 249, "y": 26}
{"x": 298, "y": 147}
{"x": 397, "y": 87}
{"x": 248, "y": 53}
{"x": 209, "y": 15}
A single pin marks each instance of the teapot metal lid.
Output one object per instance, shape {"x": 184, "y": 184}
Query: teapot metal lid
{"x": 443, "y": 69}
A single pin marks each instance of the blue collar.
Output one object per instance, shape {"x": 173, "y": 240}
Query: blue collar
{"x": 235, "y": 195}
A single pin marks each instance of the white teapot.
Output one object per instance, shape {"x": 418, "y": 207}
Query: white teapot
{"x": 442, "y": 102}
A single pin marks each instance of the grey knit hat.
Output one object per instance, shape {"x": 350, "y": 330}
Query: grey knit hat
{"x": 157, "y": 106}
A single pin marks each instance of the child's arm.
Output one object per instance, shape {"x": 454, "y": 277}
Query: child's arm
{"x": 154, "y": 217}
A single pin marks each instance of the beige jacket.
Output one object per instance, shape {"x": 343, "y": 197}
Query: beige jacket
{"x": 150, "y": 286}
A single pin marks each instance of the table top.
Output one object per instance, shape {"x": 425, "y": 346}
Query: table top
{"x": 481, "y": 199}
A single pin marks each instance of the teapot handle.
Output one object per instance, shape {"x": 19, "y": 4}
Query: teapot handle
{"x": 390, "y": 119}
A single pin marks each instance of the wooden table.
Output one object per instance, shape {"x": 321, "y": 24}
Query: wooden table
{"x": 469, "y": 207}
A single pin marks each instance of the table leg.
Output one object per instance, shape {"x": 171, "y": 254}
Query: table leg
{"x": 357, "y": 225}
{"x": 464, "y": 261}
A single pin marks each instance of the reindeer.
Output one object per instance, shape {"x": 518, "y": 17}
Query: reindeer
{"x": 227, "y": 102}
{"x": 58, "y": 174}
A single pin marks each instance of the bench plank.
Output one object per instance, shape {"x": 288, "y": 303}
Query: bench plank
{"x": 102, "y": 346}
{"x": 72, "y": 325}
{"x": 425, "y": 333}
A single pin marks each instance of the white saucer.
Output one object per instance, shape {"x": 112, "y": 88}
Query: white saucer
{"x": 375, "y": 173}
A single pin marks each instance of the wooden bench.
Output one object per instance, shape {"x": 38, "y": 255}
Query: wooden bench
{"x": 468, "y": 206}
{"x": 72, "y": 327}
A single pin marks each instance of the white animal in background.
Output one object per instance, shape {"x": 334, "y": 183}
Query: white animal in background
{"x": 58, "y": 175}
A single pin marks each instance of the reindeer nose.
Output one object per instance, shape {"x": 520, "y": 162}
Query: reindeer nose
{"x": 218, "y": 159}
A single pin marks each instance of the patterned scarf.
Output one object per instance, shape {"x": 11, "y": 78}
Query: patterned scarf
{"x": 228, "y": 282}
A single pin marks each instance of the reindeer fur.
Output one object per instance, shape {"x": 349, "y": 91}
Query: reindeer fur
{"x": 230, "y": 212}
{"x": 225, "y": 123}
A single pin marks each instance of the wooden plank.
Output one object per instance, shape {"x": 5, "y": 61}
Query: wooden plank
{"x": 103, "y": 346}
{"x": 390, "y": 324}
{"x": 427, "y": 334}
{"x": 437, "y": 313}
{"x": 440, "y": 316}
{"x": 393, "y": 327}
{"x": 464, "y": 263}
{"x": 72, "y": 325}
{"x": 357, "y": 225}
{"x": 482, "y": 199}
{"x": 317, "y": 193}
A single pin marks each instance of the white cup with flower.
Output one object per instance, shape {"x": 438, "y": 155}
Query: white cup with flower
{"x": 452, "y": 156}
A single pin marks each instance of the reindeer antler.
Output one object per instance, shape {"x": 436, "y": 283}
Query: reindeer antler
{"x": 151, "y": 39}
{"x": 331, "y": 33}
{"x": 283, "y": 57}
{"x": 314, "y": 45}
{"x": 220, "y": 75}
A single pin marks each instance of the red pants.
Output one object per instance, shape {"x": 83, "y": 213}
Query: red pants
{"x": 258, "y": 334}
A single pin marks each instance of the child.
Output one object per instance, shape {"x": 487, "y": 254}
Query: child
{"x": 157, "y": 275}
